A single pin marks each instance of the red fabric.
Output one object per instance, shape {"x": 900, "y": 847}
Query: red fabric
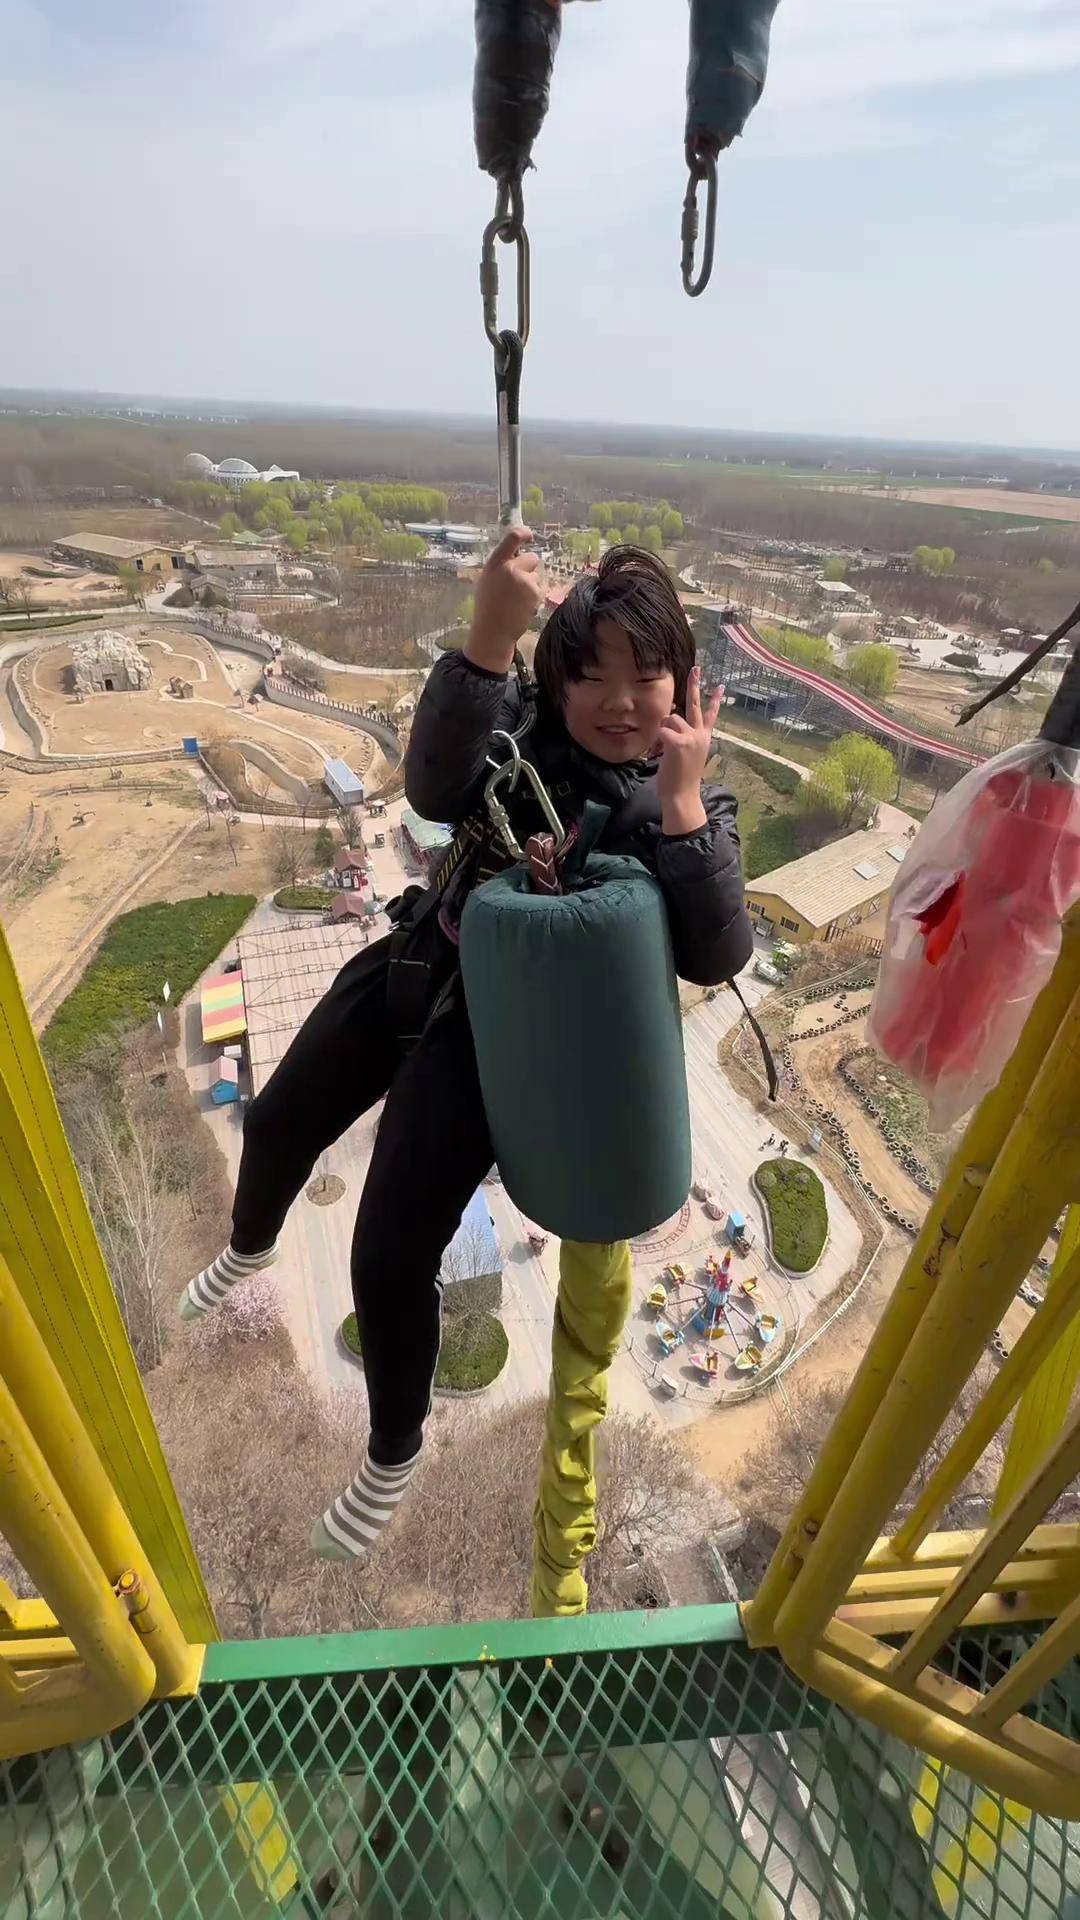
{"x": 980, "y": 929}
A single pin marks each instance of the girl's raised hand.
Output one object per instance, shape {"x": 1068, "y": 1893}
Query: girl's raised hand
{"x": 508, "y": 593}
{"x": 685, "y": 746}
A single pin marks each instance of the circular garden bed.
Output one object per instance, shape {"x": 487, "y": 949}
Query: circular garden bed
{"x": 794, "y": 1200}
{"x": 473, "y": 1353}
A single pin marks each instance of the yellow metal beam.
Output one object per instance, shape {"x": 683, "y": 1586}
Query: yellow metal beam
{"x": 48, "y": 1241}
{"x": 1051, "y": 1653}
{"x": 25, "y": 1616}
{"x": 1041, "y": 1778}
{"x": 115, "y": 1675}
{"x": 30, "y": 1653}
{"x": 1039, "y": 1339}
{"x": 982, "y": 1568}
{"x": 1044, "y": 1408}
{"x": 1018, "y": 1198}
{"x": 928, "y": 1264}
{"x": 921, "y": 1583}
{"x": 47, "y": 1408}
{"x": 886, "y": 1619}
{"x": 948, "y": 1549}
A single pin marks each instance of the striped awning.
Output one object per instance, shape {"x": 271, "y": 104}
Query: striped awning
{"x": 223, "y": 1013}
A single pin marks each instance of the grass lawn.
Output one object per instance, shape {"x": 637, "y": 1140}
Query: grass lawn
{"x": 17, "y": 623}
{"x": 798, "y": 1216}
{"x": 473, "y": 1352}
{"x": 168, "y": 940}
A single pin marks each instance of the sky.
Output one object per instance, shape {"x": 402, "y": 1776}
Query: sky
{"x": 278, "y": 200}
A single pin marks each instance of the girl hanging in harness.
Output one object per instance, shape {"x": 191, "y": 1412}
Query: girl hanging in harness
{"x": 619, "y": 720}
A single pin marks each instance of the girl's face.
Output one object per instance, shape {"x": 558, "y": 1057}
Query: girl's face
{"x": 615, "y": 710}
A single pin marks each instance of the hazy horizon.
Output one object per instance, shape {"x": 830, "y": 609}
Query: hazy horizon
{"x": 260, "y": 409}
{"x": 286, "y": 201}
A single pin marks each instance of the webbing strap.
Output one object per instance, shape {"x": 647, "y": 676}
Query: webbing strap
{"x": 771, "y": 1073}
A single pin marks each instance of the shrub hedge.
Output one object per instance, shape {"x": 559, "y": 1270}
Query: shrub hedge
{"x": 473, "y": 1353}
{"x": 167, "y": 940}
{"x": 304, "y": 899}
{"x": 798, "y": 1216}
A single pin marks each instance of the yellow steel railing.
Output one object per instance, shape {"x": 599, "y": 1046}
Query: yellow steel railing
{"x": 838, "y": 1586}
{"x": 105, "y": 1638}
{"x": 47, "y": 1239}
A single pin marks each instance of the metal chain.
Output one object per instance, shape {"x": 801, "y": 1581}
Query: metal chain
{"x": 508, "y": 227}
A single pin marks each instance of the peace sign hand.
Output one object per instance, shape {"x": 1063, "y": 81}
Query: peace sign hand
{"x": 685, "y": 745}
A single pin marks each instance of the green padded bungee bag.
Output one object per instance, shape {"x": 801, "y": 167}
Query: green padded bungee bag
{"x": 574, "y": 1009}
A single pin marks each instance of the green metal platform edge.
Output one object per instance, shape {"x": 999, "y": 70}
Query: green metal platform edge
{"x": 229, "y": 1662}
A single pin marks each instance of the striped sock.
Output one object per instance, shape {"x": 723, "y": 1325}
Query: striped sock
{"x": 209, "y": 1288}
{"x": 353, "y": 1522}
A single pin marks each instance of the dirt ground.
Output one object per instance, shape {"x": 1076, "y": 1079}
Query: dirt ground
{"x": 124, "y": 722}
{"x": 937, "y": 696}
{"x": 369, "y": 689}
{"x": 52, "y": 924}
{"x": 25, "y": 523}
{"x": 720, "y": 1444}
{"x": 1039, "y": 506}
{"x": 64, "y": 588}
{"x": 808, "y": 1020}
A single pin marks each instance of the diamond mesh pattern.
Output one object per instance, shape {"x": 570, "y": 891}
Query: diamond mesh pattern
{"x": 678, "y": 1782}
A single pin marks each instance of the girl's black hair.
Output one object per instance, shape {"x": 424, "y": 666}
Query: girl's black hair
{"x": 635, "y": 590}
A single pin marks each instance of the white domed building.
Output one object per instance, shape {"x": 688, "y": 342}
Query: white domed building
{"x": 234, "y": 472}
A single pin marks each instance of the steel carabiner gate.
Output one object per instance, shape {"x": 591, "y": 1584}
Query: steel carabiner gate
{"x": 701, "y": 160}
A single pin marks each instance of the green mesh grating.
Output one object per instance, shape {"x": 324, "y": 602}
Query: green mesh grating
{"x": 621, "y": 1766}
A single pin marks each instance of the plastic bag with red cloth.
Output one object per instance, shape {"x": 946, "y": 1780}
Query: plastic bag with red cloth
{"x": 974, "y": 923}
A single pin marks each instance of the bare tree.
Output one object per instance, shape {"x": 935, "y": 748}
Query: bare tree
{"x": 469, "y": 1256}
{"x": 257, "y": 1452}
{"x": 351, "y": 821}
{"x": 778, "y": 1470}
{"x": 290, "y": 852}
{"x": 20, "y": 596}
{"x": 258, "y": 785}
{"x": 7, "y": 590}
{"x": 304, "y": 671}
{"x": 122, "y": 1164}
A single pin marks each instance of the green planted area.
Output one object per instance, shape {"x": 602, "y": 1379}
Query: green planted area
{"x": 781, "y": 778}
{"x": 798, "y": 1216}
{"x": 771, "y": 844}
{"x": 172, "y": 941}
{"x": 473, "y": 1353}
{"x": 304, "y": 899}
{"x": 18, "y": 623}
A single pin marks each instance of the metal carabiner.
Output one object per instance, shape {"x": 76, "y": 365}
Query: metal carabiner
{"x": 507, "y": 225}
{"x": 515, "y": 760}
{"x": 499, "y": 814}
{"x": 701, "y": 160}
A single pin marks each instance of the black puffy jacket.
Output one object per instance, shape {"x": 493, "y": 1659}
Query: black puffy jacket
{"x": 446, "y": 768}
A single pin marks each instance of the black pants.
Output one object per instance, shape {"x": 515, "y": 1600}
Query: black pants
{"x": 431, "y": 1151}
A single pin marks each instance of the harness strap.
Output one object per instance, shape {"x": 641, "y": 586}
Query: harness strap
{"x": 771, "y": 1073}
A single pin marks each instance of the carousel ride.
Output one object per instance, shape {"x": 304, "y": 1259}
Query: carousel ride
{"x": 714, "y": 1316}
